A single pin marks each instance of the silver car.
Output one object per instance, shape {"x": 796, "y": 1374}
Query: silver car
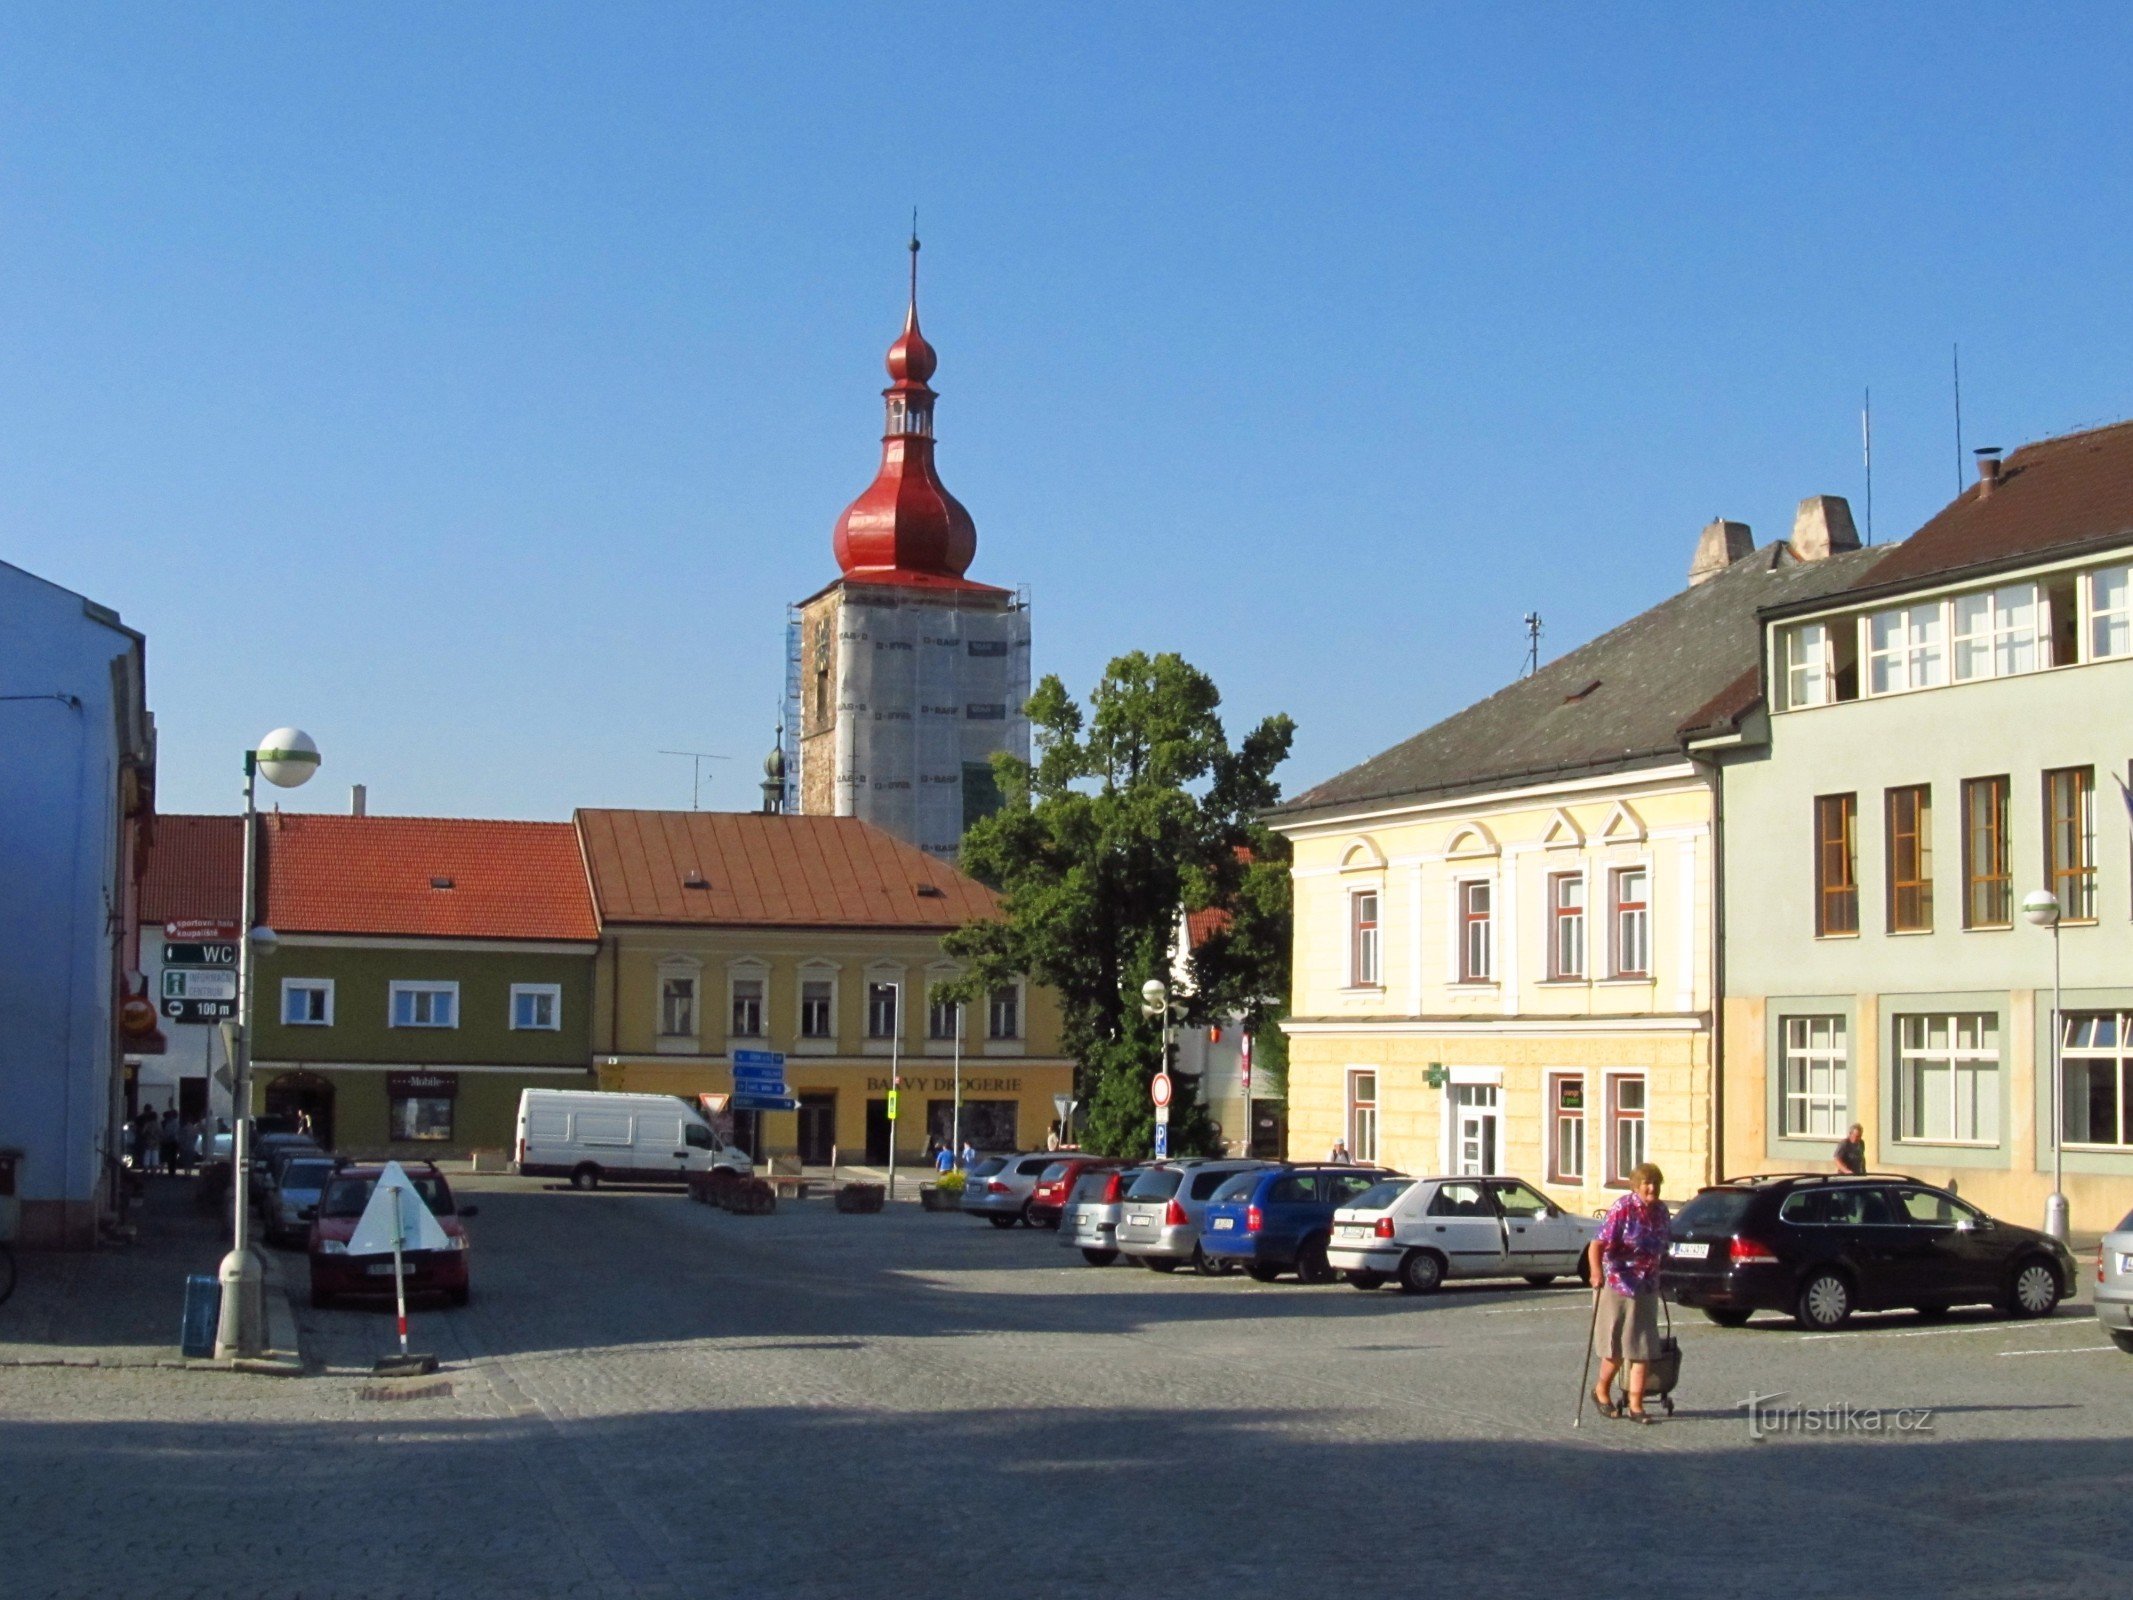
{"x": 1418, "y": 1232}
{"x": 2114, "y": 1284}
{"x": 292, "y": 1197}
{"x": 1001, "y": 1194}
{"x": 1090, "y": 1221}
{"x": 1159, "y": 1224}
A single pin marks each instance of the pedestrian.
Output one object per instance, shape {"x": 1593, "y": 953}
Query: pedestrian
{"x": 1851, "y": 1152}
{"x": 1051, "y": 1137}
{"x": 190, "y": 1135}
{"x": 147, "y": 1141}
{"x": 1623, "y": 1263}
{"x": 168, "y": 1135}
{"x": 1338, "y": 1156}
{"x": 970, "y": 1155}
{"x": 944, "y": 1160}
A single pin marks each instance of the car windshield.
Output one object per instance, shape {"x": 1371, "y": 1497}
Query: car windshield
{"x": 349, "y": 1196}
{"x": 1054, "y": 1172}
{"x": 306, "y": 1174}
{"x": 1239, "y": 1185}
{"x": 1157, "y": 1183}
{"x": 1714, "y": 1211}
{"x": 1090, "y": 1185}
{"x": 1380, "y": 1196}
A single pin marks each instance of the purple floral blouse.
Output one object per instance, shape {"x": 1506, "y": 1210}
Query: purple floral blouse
{"x": 1633, "y": 1242}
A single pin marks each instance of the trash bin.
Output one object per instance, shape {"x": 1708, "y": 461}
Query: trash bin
{"x": 203, "y": 1311}
{"x": 10, "y": 1194}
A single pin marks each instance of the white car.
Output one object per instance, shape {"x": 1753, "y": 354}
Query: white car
{"x": 1420, "y": 1231}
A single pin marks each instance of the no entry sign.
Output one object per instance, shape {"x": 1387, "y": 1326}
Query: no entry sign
{"x": 1159, "y": 1090}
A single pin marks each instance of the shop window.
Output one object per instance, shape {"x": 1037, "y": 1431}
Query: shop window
{"x": 419, "y": 1106}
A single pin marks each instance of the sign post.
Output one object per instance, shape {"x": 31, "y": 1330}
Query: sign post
{"x": 896, "y": 1079}
{"x": 396, "y": 1217}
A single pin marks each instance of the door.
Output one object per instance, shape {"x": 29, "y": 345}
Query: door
{"x": 878, "y": 1126}
{"x": 1538, "y": 1241}
{"x": 818, "y": 1129}
{"x": 306, "y": 1099}
{"x": 1940, "y": 1260}
{"x": 1460, "y": 1222}
{"x": 1475, "y": 1128}
{"x": 1292, "y": 1208}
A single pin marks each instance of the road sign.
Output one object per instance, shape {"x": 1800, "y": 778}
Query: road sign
{"x": 745, "y": 1101}
{"x": 198, "y": 928}
{"x": 1162, "y": 1140}
{"x": 759, "y": 1058}
{"x": 1159, "y": 1090}
{"x": 758, "y": 1074}
{"x": 199, "y": 983}
{"x": 199, "y": 1010}
{"x": 892, "y": 1105}
{"x": 219, "y": 954}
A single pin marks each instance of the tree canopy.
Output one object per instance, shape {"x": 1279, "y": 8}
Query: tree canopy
{"x": 1133, "y": 811}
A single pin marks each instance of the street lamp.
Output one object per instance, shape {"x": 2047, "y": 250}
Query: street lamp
{"x": 2041, "y": 907}
{"x": 285, "y": 758}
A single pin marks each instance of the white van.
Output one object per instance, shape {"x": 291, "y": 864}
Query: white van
{"x": 586, "y": 1135}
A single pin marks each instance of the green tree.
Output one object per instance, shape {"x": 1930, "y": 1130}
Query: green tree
{"x": 1132, "y": 811}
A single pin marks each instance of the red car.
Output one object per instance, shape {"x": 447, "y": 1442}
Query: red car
{"x": 335, "y": 1273}
{"x": 1048, "y": 1200}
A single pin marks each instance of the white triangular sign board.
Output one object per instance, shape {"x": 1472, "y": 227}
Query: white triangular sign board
{"x": 417, "y": 1228}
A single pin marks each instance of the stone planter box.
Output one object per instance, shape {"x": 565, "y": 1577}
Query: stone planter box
{"x": 935, "y": 1198}
{"x": 861, "y": 1197}
{"x": 751, "y": 1197}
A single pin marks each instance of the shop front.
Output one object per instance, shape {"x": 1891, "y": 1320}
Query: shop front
{"x": 430, "y": 1114}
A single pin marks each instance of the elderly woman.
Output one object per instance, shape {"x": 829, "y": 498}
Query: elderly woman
{"x": 1624, "y": 1267}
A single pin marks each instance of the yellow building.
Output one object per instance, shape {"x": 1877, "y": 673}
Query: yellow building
{"x": 1504, "y": 926}
{"x": 819, "y": 938}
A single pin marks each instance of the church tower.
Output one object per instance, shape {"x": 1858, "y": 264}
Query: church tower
{"x": 904, "y": 675}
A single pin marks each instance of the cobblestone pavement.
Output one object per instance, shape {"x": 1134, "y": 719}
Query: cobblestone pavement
{"x": 649, "y": 1398}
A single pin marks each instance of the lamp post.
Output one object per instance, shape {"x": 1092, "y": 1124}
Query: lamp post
{"x": 1155, "y": 1003}
{"x": 2042, "y": 908}
{"x": 285, "y": 758}
{"x": 955, "y": 1115}
{"x": 896, "y": 1080}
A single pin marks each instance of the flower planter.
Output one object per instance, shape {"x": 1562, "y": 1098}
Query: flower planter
{"x": 751, "y": 1197}
{"x": 861, "y": 1197}
{"x": 935, "y": 1198}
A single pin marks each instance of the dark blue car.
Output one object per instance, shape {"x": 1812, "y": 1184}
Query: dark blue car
{"x": 1278, "y": 1220}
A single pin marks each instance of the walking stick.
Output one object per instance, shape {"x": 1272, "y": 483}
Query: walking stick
{"x": 1592, "y": 1333}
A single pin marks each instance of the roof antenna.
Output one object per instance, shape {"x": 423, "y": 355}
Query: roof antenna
{"x": 1532, "y": 620}
{"x": 1958, "y": 419}
{"x": 1866, "y": 441}
{"x": 696, "y": 781}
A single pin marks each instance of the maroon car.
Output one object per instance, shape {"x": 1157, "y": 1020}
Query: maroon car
{"x": 1048, "y": 1200}
{"x": 335, "y": 1274}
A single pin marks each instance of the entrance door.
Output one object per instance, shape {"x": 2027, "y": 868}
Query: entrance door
{"x": 306, "y": 1099}
{"x": 1475, "y": 1130}
{"x": 878, "y": 1126}
{"x": 818, "y": 1129}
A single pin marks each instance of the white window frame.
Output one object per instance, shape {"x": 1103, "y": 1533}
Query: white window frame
{"x": 748, "y": 970}
{"x": 1991, "y": 639}
{"x": 1474, "y": 965}
{"x": 1914, "y": 655}
{"x": 552, "y": 992}
{"x": 1617, "y": 927}
{"x": 821, "y": 1044}
{"x": 415, "y": 989}
{"x": 672, "y": 969}
{"x": 1966, "y": 1086}
{"x": 1827, "y": 1064}
{"x": 2118, "y": 618}
{"x": 1020, "y": 988}
{"x": 1614, "y": 1118}
{"x": 1363, "y": 1115}
{"x": 884, "y": 972}
{"x": 2120, "y": 1058}
{"x": 1556, "y": 1120}
{"x": 1366, "y": 967}
{"x": 1578, "y": 919}
{"x": 1809, "y": 680}
{"x": 294, "y": 986}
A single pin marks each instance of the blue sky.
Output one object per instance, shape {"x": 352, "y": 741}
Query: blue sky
{"x": 474, "y": 386}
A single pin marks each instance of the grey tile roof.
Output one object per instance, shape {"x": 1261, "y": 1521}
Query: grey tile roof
{"x": 1624, "y": 700}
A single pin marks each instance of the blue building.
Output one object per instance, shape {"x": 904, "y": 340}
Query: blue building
{"x": 77, "y": 793}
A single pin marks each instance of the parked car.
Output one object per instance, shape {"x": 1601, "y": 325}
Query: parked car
{"x": 266, "y": 1147}
{"x": 1822, "y": 1247}
{"x": 2114, "y": 1284}
{"x": 1048, "y": 1199}
{"x": 335, "y": 1273}
{"x": 1001, "y": 1196}
{"x": 1090, "y": 1222}
{"x": 1159, "y": 1222}
{"x": 293, "y": 1198}
{"x": 1417, "y": 1232}
{"x": 1281, "y": 1220}
{"x": 587, "y": 1135}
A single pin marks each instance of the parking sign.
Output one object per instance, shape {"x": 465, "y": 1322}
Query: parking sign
{"x": 1162, "y": 1140}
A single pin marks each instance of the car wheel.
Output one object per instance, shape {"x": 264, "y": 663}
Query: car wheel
{"x": 2035, "y": 1289}
{"x": 1825, "y": 1302}
{"x": 1311, "y": 1263}
{"x": 1160, "y": 1264}
{"x": 1026, "y": 1218}
{"x": 1262, "y": 1273}
{"x": 1364, "y": 1280}
{"x": 1208, "y": 1266}
{"x": 1728, "y": 1316}
{"x": 1422, "y": 1272}
{"x": 999, "y": 1221}
{"x": 1540, "y": 1280}
{"x": 585, "y": 1176}
{"x": 2122, "y": 1338}
{"x": 1099, "y": 1258}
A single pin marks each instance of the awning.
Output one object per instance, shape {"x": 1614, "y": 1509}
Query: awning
{"x": 762, "y": 1102}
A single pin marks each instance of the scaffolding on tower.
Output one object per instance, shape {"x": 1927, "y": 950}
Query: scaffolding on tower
{"x": 791, "y": 734}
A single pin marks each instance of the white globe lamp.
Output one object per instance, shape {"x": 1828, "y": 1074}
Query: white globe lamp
{"x": 287, "y": 757}
{"x": 2040, "y": 907}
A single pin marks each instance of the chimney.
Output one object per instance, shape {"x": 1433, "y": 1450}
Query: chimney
{"x": 1719, "y": 545}
{"x": 359, "y": 800}
{"x": 1823, "y": 527}
{"x": 1988, "y": 469}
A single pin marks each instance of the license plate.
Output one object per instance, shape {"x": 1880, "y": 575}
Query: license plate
{"x": 1139, "y": 1224}
{"x": 380, "y": 1269}
{"x": 1354, "y": 1230}
{"x": 1222, "y": 1223}
{"x": 2125, "y": 1264}
{"x": 1689, "y": 1252}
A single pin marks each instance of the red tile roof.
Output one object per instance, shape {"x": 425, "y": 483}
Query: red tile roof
{"x": 2072, "y": 490}
{"x": 1200, "y": 925}
{"x": 374, "y": 875}
{"x": 195, "y": 870}
{"x": 771, "y": 871}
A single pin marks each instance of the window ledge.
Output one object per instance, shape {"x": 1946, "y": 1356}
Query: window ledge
{"x": 1472, "y": 984}
{"x": 1563, "y": 983}
{"x": 1988, "y": 927}
{"x": 1910, "y": 933}
{"x": 1362, "y": 988}
{"x": 1627, "y": 980}
{"x": 1825, "y": 937}
{"x": 1949, "y": 1144}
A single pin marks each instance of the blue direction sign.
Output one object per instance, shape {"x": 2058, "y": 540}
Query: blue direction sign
{"x": 759, "y": 1058}
{"x": 758, "y": 1080}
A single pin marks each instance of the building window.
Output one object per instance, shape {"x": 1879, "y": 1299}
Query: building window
{"x": 1948, "y": 1079}
{"x": 2097, "y": 1062}
{"x": 1988, "y": 886}
{"x": 2110, "y": 613}
{"x": 1625, "y": 1126}
{"x": 747, "y": 1021}
{"x": 818, "y": 1003}
{"x": 1004, "y": 1013}
{"x": 1363, "y": 939}
{"x": 1566, "y": 1131}
{"x": 1817, "y": 1098}
{"x": 537, "y": 1007}
{"x": 942, "y": 1019}
{"x": 1905, "y": 649}
{"x": 677, "y": 1007}
{"x": 307, "y": 1002}
{"x": 1475, "y": 965}
{"x": 1997, "y": 633}
{"x": 419, "y": 1112}
{"x": 1910, "y": 859}
{"x": 1632, "y": 919}
{"x": 425, "y": 1005}
{"x": 1836, "y": 876}
{"x": 1566, "y": 925}
{"x": 882, "y": 1006}
{"x": 1363, "y": 1116}
{"x": 2070, "y": 841}
{"x": 1821, "y": 663}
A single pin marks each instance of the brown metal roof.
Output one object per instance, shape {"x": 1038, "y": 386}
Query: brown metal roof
{"x": 769, "y": 871}
{"x": 195, "y": 870}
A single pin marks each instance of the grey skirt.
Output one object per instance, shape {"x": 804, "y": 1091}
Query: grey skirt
{"x": 1628, "y": 1328}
